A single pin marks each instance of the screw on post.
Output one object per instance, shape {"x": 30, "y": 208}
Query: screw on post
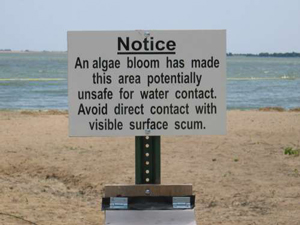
{"x": 146, "y": 34}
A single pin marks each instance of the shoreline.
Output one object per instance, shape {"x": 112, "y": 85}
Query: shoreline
{"x": 65, "y": 111}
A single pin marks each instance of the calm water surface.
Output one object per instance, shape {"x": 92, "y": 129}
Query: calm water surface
{"x": 39, "y": 81}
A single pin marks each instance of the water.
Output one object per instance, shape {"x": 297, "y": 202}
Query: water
{"x": 256, "y": 82}
{"x": 33, "y": 81}
{"x": 39, "y": 81}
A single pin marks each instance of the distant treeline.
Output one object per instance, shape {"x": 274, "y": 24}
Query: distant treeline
{"x": 266, "y": 54}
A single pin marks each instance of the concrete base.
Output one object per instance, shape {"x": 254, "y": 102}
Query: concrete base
{"x": 150, "y": 217}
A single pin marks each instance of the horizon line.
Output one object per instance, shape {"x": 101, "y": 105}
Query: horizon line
{"x": 7, "y": 50}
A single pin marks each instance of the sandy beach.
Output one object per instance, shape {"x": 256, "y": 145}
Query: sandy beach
{"x": 242, "y": 178}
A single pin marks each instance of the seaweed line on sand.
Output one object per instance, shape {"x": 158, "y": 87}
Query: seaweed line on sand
{"x": 18, "y": 217}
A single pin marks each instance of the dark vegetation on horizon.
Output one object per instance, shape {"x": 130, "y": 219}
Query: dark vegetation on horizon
{"x": 266, "y": 54}
{"x": 262, "y": 54}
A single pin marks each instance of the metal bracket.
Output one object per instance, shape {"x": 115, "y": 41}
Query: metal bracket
{"x": 118, "y": 203}
{"x": 182, "y": 203}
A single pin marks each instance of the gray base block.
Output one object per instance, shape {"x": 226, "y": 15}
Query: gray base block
{"x": 150, "y": 217}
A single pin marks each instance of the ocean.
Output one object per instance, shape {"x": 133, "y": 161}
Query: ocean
{"x": 39, "y": 81}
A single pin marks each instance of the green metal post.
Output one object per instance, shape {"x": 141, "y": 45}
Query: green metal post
{"x": 147, "y": 159}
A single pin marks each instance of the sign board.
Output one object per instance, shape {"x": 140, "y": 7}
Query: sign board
{"x": 147, "y": 82}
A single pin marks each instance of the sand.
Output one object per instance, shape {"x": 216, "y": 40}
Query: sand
{"x": 242, "y": 178}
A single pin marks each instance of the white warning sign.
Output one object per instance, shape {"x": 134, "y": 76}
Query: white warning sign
{"x": 147, "y": 82}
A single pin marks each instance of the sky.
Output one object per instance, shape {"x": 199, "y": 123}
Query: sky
{"x": 252, "y": 26}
